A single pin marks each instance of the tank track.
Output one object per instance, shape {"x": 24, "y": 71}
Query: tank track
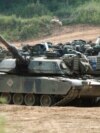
{"x": 71, "y": 95}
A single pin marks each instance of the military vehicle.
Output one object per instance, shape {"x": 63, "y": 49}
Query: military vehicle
{"x": 78, "y": 45}
{"x": 42, "y": 81}
{"x": 37, "y": 49}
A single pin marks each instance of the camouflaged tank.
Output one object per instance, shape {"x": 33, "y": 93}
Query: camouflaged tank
{"x": 42, "y": 81}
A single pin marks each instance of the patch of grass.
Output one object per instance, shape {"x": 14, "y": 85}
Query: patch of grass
{"x": 2, "y": 125}
{"x": 2, "y": 100}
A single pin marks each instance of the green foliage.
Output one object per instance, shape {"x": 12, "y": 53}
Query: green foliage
{"x": 64, "y": 12}
{"x": 26, "y": 19}
{"x": 14, "y": 28}
{"x": 88, "y": 13}
{"x": 2, "y": 100}
{"x": 2, "y": 125}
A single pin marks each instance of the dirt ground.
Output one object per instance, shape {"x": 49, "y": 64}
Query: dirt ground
{"x": 23, "y": 119}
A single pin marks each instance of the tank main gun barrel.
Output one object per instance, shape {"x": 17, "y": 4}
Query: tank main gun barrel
{"x": 12, "y": 49}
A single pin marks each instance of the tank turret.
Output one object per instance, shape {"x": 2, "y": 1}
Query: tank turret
{"x": 18, "y": 64}
{"x": 34, "y": 66}
{"x": 43, "y": 65}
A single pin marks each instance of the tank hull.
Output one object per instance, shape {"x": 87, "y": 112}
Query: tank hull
{"x": 36, "y": 85}
{"x": 49, "y": 87}
{"x": 65, "y": 88}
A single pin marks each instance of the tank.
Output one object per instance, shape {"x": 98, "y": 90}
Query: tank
{"x": 43, "y": 81}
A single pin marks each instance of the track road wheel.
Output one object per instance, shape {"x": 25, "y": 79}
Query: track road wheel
{"x": 6, "y": 97}
{"x": 46, "y": 100}
{"x": 18, "y": 99}
{"x": 30, "y": 99}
